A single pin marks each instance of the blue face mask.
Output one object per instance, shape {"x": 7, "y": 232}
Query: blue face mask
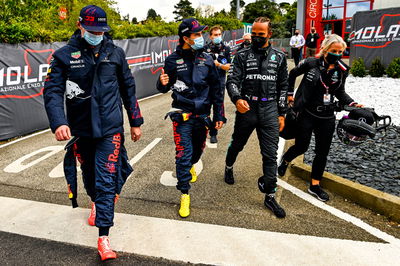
{"x": 198, "y": 43}
{"x": 92, "y": 39}
{"x": 217, "y": 40}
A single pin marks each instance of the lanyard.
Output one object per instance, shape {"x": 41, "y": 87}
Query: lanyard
{"x": 325, "y": 86}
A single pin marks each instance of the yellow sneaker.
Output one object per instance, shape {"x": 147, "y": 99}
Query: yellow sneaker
{"x": 194, "y": 174}
{"x": 184, "y": 211}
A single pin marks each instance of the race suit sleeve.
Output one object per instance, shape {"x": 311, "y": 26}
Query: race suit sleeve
{"x": 341, "y": 94}
{"x": 217, "y": 95}
{"x": 235, "y": 78}
{"x": 300, "y": 69}
{"x": 54, "y": 89}
{"x": 282, "y": 87}
{"x": 127, "y": 89}
{"x": 169, "y": 69}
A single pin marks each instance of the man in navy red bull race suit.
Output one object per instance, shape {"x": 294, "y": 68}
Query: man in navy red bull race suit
{"x": 94, "y": 76}
{"x": 193, "y": 78}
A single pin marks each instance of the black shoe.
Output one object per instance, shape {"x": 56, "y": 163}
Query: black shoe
{"x": 318, "y": 193}
{"x": 271, "y": 204}
{"x": 282, "y": 167}
{"x": 229, "y": 176}
{"x": 213, "y": 139}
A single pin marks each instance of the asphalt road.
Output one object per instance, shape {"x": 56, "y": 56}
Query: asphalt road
{"x": 145, "y": 194}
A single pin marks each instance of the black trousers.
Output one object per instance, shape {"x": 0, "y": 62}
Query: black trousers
{"x": 323, "y": 130}
{"x": 263, "y": 117}
{"x": 296, "y": 53}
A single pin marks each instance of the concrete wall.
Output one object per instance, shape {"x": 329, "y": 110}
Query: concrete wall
{"x": 378, "y": 4}
{"x": 300, "y": 16}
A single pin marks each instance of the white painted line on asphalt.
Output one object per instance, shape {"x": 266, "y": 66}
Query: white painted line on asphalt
{"x": 151, "y": 96}
{"x": 47, "y": 130}
{"x": 23, "y": 138}
{"x": 281, "y": 147}
{"x": 144, "y": 151}
{"x": 211, "y": 145}
{"x": 342, "y": 215}
{"x": 189, "y": 241}
{"x": 168, "y": 179}
{"x": 18, "y": 166}
{"x": 58, "y": 171}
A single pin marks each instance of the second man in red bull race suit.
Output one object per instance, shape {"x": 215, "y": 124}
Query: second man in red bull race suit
{"x": 193, "y": 78}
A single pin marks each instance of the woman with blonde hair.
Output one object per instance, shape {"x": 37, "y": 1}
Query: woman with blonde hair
{"x": 324, "y": 79}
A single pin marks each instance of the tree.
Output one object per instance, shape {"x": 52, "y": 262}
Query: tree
{"x": 261, "y": 8}
{"x": 183, "y": 10}
{"x": 134, "y": 20}
{"x": 152, "y": 14}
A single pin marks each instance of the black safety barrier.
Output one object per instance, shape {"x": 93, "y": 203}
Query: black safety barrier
{"x": 23, "y": 69}
{"x": 375, "y": 33}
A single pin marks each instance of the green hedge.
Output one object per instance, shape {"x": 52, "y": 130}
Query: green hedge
{"x": 358, "y": 68}
{"x": 393, "y": 69}
{"x": 38, "y": 21}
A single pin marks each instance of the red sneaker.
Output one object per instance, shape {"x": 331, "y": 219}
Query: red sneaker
{"x": 92, "y": 217}
{"x": 104, "y": 248}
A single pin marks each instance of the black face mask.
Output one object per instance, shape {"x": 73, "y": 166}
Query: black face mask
{"x": 258, "y": 41}
{"x": 332, "y": 58}
{"x": 246, "y": 43}
{"x": 313, "y": 31}
{"x": 296, "y": 33}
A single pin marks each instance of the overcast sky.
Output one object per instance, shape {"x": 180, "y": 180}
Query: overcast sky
{"x": 139, "y": 8}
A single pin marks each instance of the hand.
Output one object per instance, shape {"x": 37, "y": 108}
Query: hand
{"x": 290, "y": 100}
{"x": 164, "y": 79}
{"x": 358, "y": 105}
{"x": 218, "y": 125}
{"x": 63, "y": 133}
{"x": 242, "y": 106}
{"x": 136, "y": 133}
{"x": 281, "y": 123}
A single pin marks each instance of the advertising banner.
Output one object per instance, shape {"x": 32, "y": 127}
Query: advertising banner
{"x": 313, "y": 17}
{"x": 374, "y": 34}
{"x": 23, "y": 69}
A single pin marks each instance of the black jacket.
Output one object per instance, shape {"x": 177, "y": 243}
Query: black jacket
{"x": 311, "y": 91}
{"x": 194, "y": 81}
{"x": 222, "y": 54}
{"x": 93, "y": 87}
{"x": 311, "y": 40}
{"x": 259, "y": 73}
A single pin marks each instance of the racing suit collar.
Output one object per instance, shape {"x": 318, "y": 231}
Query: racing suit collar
{"x": 264, "y": 50}
{"x": 186, "y": 53}
{"x": 216, "y": 47}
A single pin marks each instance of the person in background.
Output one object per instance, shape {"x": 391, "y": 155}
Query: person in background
{"x": 192, "y": 76}
{"x": 324, "y": 78}
{"x": 246, "y": 41}
{"x": 311, "y": 43}
{"x": 297, "y": 42}
{"x": 257, "y": 84}
{"x": 222, "y": 59}
{"x": 91, "y": 75}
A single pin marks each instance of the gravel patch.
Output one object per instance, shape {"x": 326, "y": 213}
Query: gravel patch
{"x": 375, "y": 163}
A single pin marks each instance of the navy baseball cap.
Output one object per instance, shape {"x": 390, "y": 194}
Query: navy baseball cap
{"x": 93, "y": 18}
{"x": 190, "y": 25}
